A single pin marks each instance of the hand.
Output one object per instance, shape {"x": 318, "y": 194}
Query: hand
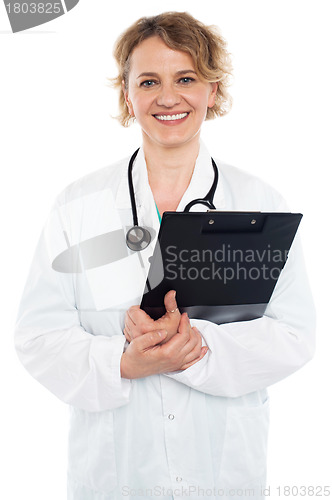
{"x": 146, "y": 355}
{"x": 137, "y": 322}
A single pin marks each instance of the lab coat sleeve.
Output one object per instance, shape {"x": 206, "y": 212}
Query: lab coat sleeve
{"x": 80, "y": 368}
{"x": 250, "y": 355}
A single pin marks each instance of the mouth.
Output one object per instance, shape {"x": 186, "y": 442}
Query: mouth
{"x": 173, "y": 118}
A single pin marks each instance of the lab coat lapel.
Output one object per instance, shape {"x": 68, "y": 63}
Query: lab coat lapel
{"x": 201, "y": 183}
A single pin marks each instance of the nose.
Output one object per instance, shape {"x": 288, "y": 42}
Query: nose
{"x": 168, "y": 96}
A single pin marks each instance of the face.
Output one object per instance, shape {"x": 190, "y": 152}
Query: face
{"x": 166, "y": 95}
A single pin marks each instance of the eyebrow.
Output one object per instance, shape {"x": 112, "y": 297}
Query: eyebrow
{"x": 178, "y": 73}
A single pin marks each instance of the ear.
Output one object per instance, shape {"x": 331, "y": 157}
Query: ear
{"x": 128, "y": 101}
{"x": 212, "y": 97}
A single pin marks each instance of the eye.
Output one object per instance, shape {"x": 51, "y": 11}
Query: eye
{"x": 186, "y": 79}
{"x": 148, "y": 83}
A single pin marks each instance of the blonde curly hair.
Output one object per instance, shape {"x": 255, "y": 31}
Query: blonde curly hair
{"x": 179, "y": 31}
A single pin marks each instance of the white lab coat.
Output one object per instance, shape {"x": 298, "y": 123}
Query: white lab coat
{"x": 197, "y": 433}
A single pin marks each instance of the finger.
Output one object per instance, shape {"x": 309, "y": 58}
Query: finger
{"x": 197, "y": 333}
{"x": 184, "y": 341}
{"x": 199, "y": 336}
{"x": 136, "y": 314}
{"x": 150, "y": 339}
{"x": 184, "y": 327}
{"x": 138, "y": 330}
{"x": 127, "y": 335}
{"x": 192, "y": 348}
{"x": 204, "y": 350}
{"x": 129, "y": 324}
{"x": 132, "y": 330}
{"x": 131, "y": 311}
{"x": 139, "y": 318}
{"x": 170, "y": 303}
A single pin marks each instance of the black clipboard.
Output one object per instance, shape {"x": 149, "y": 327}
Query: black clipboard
{"x": 223, "y": 265}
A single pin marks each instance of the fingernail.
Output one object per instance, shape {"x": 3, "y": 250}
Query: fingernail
{"x": 162, "y": 333}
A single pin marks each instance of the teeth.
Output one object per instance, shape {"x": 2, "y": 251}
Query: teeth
{"x": 170, "y": 117}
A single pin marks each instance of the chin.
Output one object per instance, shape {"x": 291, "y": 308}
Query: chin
{"x": 174, "y": 141}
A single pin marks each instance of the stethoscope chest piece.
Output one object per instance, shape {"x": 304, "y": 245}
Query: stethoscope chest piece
{"x": 138, "y": 238}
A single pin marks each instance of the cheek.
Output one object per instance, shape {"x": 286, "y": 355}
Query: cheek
{"x": 200, "y": 101}
{"x": 140, "y": 104}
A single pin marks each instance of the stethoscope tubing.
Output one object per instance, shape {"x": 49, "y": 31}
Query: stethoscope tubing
{"x": 208, "y": 199}
{"x": 131, "y": 187}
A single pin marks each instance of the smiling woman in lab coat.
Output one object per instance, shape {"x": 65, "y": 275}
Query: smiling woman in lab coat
{"x": 176, "y": 407}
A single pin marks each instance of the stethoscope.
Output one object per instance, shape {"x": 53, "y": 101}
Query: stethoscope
{"x": 138, "y": 237}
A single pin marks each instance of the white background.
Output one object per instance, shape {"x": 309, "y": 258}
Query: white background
{"x": 56, "y": 126}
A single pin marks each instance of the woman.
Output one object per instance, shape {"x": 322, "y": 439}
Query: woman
{"x": 176, "y": 407}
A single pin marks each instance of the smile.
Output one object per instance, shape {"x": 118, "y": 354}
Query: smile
{"x": 171, "y": 117}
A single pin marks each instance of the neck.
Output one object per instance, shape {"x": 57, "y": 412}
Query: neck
{"x": 169, "y": 171}
{"x": 170, "y": 166}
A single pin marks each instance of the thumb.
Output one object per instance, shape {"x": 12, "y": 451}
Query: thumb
{"x": 151, "y": 339}
{"x": 170, "y": 302}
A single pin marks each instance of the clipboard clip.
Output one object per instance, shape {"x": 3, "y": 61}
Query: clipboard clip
{"x": 250, "y": 221}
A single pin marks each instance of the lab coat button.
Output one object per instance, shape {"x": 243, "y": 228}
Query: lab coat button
{"x": 179, "y": 479}
{"x": 171, "y": 417}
